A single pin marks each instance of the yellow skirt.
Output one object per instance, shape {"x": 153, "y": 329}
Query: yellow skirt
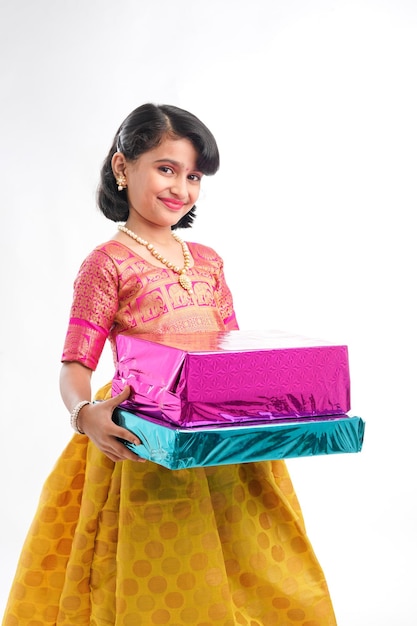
{"x": 132, "y": 544}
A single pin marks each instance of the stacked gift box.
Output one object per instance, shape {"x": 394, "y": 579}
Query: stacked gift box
{"x": 234, "y": 397}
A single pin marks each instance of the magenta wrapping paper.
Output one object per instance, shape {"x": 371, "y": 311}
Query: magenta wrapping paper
{"x": 231, "y": 377}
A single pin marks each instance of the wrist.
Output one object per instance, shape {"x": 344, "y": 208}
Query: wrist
{"x": 75, "y": 414}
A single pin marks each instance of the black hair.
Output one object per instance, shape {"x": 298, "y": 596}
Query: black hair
{"x": 143, "y": 130}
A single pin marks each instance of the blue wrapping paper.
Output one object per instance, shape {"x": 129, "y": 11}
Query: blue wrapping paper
{"x": 178, "y": 448}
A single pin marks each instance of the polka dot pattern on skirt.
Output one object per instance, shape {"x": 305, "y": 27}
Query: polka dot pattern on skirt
{"x": 132, "y": 544}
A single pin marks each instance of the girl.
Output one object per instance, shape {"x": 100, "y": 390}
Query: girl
{"x": 117, "y": 541}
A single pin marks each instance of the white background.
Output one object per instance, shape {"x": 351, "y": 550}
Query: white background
{"x": 314, "y": 107}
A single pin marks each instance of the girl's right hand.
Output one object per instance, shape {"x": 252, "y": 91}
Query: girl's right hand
{"x": 95, "y": 420}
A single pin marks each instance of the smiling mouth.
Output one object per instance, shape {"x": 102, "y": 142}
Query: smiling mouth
{"x": 173, "y": 204}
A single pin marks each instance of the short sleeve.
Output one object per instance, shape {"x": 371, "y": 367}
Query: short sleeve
{"x": 95, "y": 304}
{"x": 225, "y": 300}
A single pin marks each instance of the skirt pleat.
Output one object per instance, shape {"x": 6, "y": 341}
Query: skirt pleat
{"x": 131, "y": 544}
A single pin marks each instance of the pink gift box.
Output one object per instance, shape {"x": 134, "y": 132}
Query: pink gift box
{"x": 231, "y": 377}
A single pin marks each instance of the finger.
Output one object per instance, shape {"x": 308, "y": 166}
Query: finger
{"x": 126, "y": 435}
{"x": 123, "y": 395}
{"x": 119, "y": 452}
{"x": 129, "y": 456}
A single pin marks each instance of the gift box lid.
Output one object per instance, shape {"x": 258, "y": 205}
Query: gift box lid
{"x": 288, "y": 369}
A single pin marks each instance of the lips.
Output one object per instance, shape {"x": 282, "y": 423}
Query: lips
{"x": 172, "y": 203}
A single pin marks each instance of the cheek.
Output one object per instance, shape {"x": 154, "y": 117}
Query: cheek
{"x": 194, "y": 194}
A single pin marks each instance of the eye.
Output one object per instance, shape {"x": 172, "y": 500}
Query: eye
{"x": 166, "y": 169}
{"x": 195, "y": 177}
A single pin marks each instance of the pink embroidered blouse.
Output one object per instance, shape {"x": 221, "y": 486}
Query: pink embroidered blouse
{"x": 117, "y": 291}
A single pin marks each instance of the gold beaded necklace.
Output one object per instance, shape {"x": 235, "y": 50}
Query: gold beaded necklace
{"x": 183, "y": 279}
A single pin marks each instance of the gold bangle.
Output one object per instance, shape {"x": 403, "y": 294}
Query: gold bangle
{"x": 74, "y": 416}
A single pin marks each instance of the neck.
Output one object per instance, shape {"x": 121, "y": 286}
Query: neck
{"x": 183, "y": 279}
{"x": 154, "y": 234}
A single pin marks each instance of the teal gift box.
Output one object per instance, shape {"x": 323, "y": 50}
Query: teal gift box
{"x": 177, "y": 448}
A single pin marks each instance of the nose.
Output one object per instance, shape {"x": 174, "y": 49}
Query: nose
{"x": 179, "y": 187}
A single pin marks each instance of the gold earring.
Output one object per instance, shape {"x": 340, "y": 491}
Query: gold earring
{"x": 121, "y": 182}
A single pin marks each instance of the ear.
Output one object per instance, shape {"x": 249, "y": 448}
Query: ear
{"x": 118, "y": 164}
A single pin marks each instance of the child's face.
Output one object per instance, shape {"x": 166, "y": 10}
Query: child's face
{"x": 163, "y": 184}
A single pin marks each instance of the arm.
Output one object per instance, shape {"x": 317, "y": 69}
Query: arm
{"x": 93, "y": 310}
{"x": 95, "y": 420}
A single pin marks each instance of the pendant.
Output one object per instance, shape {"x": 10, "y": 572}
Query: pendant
{"x": 185, "y": 283}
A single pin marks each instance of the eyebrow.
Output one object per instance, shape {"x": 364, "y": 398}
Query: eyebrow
{"x": 177, "y": 163}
